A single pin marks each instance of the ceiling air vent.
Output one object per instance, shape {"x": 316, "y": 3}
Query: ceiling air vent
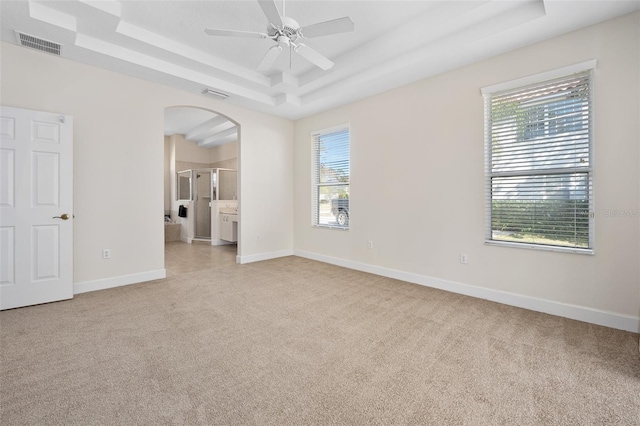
{"x": 211, "y": 92}
{"x": 38, "y": 43}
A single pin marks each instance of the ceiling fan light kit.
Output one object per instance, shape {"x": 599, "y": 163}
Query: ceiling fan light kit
{"x": 286, "y": 32}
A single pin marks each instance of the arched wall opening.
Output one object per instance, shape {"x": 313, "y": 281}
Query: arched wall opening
{"x": 204, "y": 144}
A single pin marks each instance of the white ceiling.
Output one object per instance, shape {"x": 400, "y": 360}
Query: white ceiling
{"x": 394, "y": 42}
{"x": 204, "y": 128}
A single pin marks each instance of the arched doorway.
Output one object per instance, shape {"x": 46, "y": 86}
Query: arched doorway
{"x": 201, "y": 179}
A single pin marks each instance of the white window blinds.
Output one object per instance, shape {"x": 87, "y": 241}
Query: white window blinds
{"x": 331, "y": 175}
{"x": 538, "y": 163}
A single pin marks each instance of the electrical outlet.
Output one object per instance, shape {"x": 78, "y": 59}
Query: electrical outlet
{"x": 106, "y": 254}
{"x": 463, "y": 258}
{"x": 370, "y": 244}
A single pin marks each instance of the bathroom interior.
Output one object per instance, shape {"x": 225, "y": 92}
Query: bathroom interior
{"x": 201, "y": 179}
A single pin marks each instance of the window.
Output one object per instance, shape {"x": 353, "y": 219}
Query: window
{"x": 331, "y": 174}
{"x": 538, "y": 164}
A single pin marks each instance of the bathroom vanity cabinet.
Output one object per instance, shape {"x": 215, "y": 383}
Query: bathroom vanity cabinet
{"x": 229, "y": 227}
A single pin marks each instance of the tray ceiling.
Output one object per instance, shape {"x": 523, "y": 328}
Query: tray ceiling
{"x": 394, "y": 42}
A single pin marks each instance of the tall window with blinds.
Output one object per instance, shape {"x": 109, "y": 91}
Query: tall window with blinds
{"x": 331, "y": 174}
{"x": 538, "y": 164}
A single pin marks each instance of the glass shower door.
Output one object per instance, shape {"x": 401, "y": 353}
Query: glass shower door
{"x": 203, "y": 179}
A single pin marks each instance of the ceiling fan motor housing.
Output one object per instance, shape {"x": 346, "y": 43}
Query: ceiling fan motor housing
{"x": 287, "y": 34}
{"x": 289, "y": 28}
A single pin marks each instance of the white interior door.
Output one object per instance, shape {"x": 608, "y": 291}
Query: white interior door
{"x": 36, "y": 207}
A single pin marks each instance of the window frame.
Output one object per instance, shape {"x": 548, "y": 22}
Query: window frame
{"x": 315, "y": 181}
{"x": 542, "y": 78}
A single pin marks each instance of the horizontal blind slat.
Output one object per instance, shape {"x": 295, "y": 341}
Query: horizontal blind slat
{"x": 331, "y": 162}
{"x": 538, "y": 139}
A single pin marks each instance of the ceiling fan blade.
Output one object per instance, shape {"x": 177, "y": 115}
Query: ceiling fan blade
{"x": 269, "y": 58}
{"x": 314, "y": 57}
{"x": 335, "y": 26}
{"x": 270, "y": 10}
{"x": 234, "y": 33}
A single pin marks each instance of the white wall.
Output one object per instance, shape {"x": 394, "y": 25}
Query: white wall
{"x": 167, "y": 175}
{"x": 260, "y": 193}
{"x": 190, "y": 151}
{"x": 418, "y": 185}
{"x": 224, "y": 152}
{"x": 119, "y": 163}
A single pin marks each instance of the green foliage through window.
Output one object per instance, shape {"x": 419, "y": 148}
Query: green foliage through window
{"x": 538, "y": 162}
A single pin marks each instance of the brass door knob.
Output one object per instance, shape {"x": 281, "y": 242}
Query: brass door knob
{"x": 63, "y": 217}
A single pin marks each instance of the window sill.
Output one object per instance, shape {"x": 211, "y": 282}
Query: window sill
{"x": 339, "y": 228}
{"x": 540, "y": 247}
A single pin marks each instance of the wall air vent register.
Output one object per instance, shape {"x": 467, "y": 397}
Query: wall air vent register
{"x": 39, "y": 43}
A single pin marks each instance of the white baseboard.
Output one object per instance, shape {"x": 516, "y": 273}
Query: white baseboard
{"x": 86, "y": 286}
{"x": 220, "y": 243}
{"x": 580, "y": 313}
{"x": 263, "y": 256}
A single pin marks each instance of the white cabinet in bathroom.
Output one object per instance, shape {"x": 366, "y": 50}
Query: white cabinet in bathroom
{"x": 229, "y": 227}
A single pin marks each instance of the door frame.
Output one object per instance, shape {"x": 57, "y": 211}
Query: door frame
{"x": 37, "y": 207}
{"x": 239, "y": 168}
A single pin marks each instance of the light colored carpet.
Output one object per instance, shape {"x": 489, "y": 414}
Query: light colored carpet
{"x": 297, "y": 342}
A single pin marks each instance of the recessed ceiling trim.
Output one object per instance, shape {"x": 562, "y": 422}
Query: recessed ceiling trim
{"x": 160, "y": 42}
{"x": 109, "y": 6}
{"x": 230, "y": 131}
{"x": 206, "y": 127}
{"x": 165, "y": 67}
{"x": 500, "y": 16}
{"x": 433, "y": 24}
{"x": 286, "y": 98}
{"x": 52, "y": 16}
{"x": 284, "y": 79}
{"x": 394, "y": 45}
{"x": 221, "y": 138}
{"x": 474, "y": 23}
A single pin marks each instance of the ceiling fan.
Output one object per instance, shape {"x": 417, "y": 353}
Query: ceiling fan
{"x": 287, "y": 33}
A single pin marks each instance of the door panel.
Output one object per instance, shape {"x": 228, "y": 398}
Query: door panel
{"x": 45, "y": 132}
{"x": 46, "y": 258}
{"x": 7, "y": 177}
{"x": 7, "y": 255}
{"x": 7, "y": 127}
{"x": 36, "y": 242}
{"x": 46, "y": 179}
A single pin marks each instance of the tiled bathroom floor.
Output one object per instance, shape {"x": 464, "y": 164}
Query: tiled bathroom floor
{"x": 181, "y": 257}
